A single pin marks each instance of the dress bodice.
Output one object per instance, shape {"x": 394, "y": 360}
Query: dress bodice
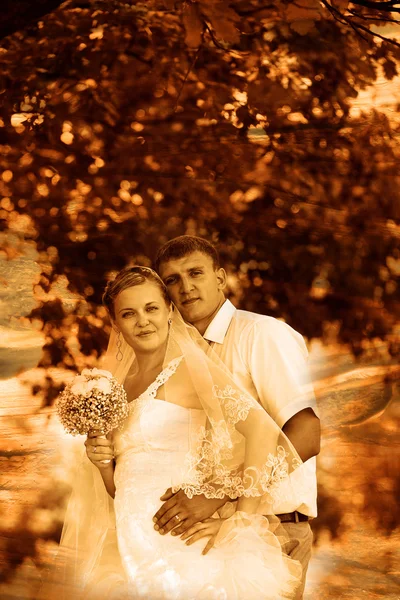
{"x": 154, "y": 424}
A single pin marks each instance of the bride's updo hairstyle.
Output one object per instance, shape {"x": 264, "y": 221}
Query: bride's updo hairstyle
{"x": 128, "y": 277}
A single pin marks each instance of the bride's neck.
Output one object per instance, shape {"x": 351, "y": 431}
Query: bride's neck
{"x": 153, "y": 361}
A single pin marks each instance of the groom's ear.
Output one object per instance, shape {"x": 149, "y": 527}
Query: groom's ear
{"x": 221, "y": 278}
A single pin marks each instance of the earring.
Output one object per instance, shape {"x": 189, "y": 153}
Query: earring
{"x": 120, "y": 355}
{"x": 170, "y": 321}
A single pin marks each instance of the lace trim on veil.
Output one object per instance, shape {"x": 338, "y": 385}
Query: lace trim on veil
{"x": 213, "y": 446}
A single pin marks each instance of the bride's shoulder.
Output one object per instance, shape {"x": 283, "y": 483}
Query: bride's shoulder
{"x": 180, "y": 388}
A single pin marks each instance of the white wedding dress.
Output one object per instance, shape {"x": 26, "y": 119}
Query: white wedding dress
{"x": 150, "y": 452}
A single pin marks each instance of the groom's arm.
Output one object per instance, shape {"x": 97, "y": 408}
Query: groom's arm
{"x": 276, "y": 357}
{"x": 190, "y": 511}
{"x": 304, "y": 431}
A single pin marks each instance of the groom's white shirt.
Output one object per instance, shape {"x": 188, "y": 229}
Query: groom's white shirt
{"x": 269, "y": 360}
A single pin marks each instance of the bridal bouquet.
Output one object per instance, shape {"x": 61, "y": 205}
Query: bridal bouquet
{"x": 93, "y": 401}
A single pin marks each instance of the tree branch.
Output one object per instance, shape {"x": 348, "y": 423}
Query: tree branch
{"x": 338, "y": 16}
{"x": 356, "y": 26}
{"x": 371, "y": 17}
{"x": 389, "y": 6}
{"x": 187, "y": 75}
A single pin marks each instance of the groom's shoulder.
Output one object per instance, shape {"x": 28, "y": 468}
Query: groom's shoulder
{"x": 246, "y": 317}
{"x": 265, "y": 325}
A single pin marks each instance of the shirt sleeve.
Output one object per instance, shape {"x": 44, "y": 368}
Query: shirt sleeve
{"x": 276, "y": 357}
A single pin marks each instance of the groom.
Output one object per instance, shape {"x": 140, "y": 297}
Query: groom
{"x": 268, "y": 358}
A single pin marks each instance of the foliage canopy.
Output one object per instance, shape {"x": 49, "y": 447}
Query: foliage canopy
{"x": 125, "y": 124}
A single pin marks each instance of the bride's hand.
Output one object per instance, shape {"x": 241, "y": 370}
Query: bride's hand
{"x": 207, "y": 528}
{"x": 99, "y": 449}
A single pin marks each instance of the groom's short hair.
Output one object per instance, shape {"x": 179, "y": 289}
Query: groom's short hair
{"x": 183, "y": 245}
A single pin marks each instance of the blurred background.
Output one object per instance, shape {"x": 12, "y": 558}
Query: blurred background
{"x": 271, "y": 130}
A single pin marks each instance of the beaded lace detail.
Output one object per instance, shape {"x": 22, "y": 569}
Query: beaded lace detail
{"x": 152, "y": 390}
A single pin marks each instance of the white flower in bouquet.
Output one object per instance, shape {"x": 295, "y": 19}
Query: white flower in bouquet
{"x": 93, "y": 401}
{"x": 97, "y": 373}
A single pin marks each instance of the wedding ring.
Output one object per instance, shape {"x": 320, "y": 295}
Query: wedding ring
{"x": 177, "y": 517}
{"x": 94, "y": 449}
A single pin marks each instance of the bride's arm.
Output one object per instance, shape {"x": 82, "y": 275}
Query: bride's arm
{"x": 99, "y": 449}
{"x": 107, "y": 473}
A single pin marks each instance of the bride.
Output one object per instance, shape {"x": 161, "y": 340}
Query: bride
{"x": 190, "y": 427}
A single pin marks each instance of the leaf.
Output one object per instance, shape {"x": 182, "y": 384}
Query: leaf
{"x": 224, "y": 20}
{"x": 266, "y": 95}
{"x": 245, "y": 117}
{"x": 390, "y": 69}
{"x": 193, "y": 25}
{"x": 304, "y": 10}
{"x": 340, "y": 5}
{"x": 304, "y": 26}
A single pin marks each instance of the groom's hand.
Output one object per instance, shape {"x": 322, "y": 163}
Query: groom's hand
{"x": 188, "y": 511}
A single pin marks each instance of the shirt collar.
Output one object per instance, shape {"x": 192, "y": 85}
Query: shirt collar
{"x": 216, "y": 331}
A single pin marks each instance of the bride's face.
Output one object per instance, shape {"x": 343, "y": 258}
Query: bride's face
{"x": 141, "y": 315}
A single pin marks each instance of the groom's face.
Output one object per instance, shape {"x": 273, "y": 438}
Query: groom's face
{"x": 195, "y": 286}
